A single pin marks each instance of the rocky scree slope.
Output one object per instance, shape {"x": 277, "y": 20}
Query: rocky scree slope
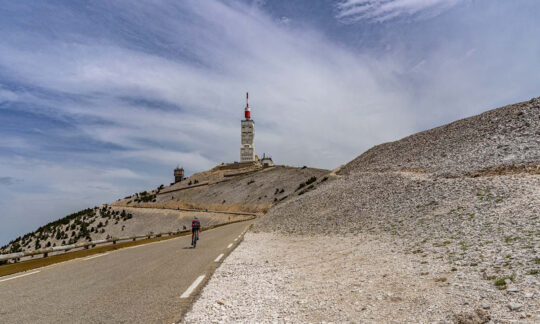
{"x": 465, "y": 195}
{"x": 501, "y": 138}
{"x": 255, "y": 191}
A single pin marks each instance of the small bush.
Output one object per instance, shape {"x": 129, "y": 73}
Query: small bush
{"x": 15, "y": 247}
{"x": 500, "y": 282}
{"x": 310, "y": 187}
{"x": 307, "y": 183}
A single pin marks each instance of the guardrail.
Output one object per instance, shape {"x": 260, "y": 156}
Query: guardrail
{"x": 85, "y": 245}
{"x": 113, "y": 240}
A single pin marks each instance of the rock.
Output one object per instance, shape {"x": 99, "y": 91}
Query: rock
{"x": 514, "y": 306}
{"x": 479, "y": 316}
{"x": 512, "y": 289}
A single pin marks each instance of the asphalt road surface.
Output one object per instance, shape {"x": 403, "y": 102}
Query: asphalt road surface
{"x": 142, "y": 284}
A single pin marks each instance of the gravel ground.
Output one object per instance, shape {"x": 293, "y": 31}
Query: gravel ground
{"x": 278, "y": 278}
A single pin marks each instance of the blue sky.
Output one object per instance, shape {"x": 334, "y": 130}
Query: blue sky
{"x": 100, "y": 99}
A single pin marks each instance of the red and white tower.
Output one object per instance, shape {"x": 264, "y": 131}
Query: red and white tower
{"x": 247, "y": 149}
{"x": 247, "y": 111}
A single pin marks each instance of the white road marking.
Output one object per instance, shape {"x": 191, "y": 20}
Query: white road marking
{"x": 219, "y": 257}
{"x": 23, "y": 275}
{"x": 192, "y": 287}
{"x": 229, "y": 246}
{"x": 96, "y": 256}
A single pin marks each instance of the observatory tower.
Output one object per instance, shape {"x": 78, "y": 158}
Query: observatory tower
{"x": 247, "y": 150}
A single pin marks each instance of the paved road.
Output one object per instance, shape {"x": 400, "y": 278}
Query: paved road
{"x": 142, "y": 284}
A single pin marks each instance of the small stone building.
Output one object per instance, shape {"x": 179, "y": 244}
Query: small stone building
{"x": 178, "y": 174}
{"x": 266, "y": 161}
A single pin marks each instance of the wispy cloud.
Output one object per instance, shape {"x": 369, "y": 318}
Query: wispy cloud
{"x": 383, "y": 10}
{"x": 6, "y": 181}
{"x": 111, "y": 96}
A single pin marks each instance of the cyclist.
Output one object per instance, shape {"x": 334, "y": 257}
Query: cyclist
{"x": 195, "y": 228}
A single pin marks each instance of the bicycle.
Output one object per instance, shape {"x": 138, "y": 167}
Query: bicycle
{"x": 195, "y": 239}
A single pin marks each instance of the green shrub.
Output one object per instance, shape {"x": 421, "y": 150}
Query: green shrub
{"x": 500, "y": 282}
{"x": 15, "y": 247}
{"x": 311, "y": 180}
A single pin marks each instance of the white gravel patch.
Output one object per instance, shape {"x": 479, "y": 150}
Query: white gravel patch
{"x": 276, "y": 278}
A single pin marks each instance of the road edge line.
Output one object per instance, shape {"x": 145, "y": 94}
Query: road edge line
{"x": 194, "y": 285}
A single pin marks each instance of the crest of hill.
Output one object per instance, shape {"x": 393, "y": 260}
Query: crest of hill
{"x": 507, "y": 138}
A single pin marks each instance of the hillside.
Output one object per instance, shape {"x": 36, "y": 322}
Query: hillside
{"x": 254, "y": 190}
{"x": 250, "y": 189}
{"x": 450, "y": 217}
{"x": 499, "y": 139}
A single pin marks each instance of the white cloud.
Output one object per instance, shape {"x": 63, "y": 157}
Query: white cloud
{"x": 190, "y": 160}
{"x": 6, "y": 95}
{"x": 383, "y": 10}
{"x": 315, "y": 101}
{"x": 304, "y": 87}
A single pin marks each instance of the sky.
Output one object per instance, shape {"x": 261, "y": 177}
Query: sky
{"x": 100, "y": 99}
